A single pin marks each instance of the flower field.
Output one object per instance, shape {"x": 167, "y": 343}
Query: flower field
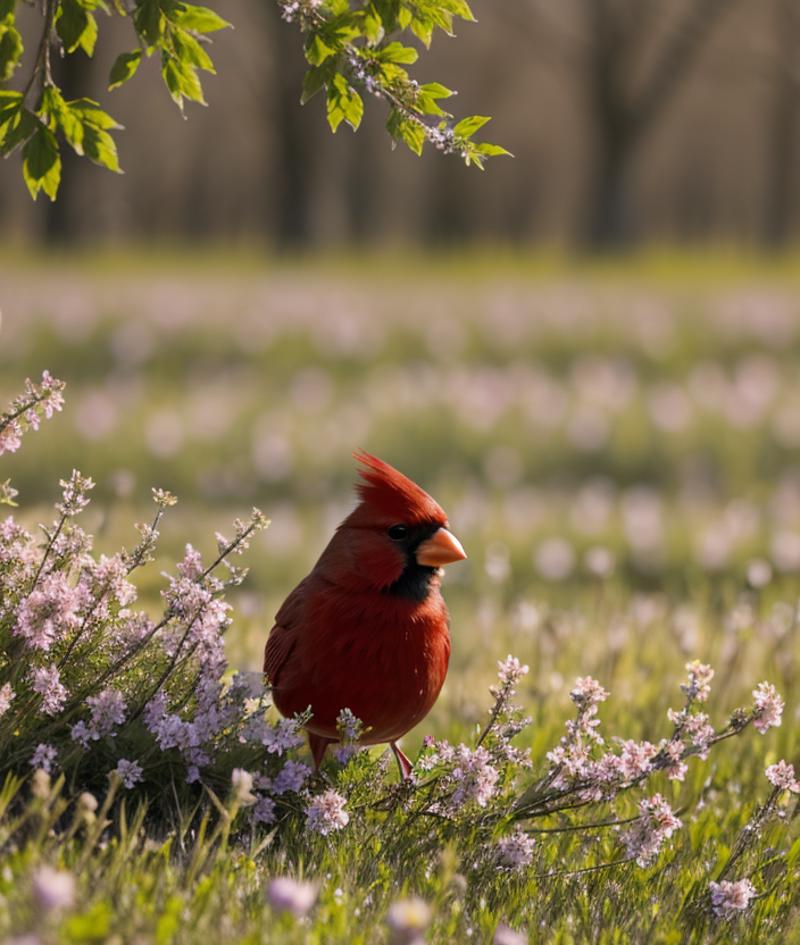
{"x": 614, "y": 756}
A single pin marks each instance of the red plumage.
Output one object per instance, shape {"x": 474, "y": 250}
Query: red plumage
{"x": 368, "y": 629}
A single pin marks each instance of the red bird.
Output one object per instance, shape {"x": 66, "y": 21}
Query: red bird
{"x": 368, "y": 629}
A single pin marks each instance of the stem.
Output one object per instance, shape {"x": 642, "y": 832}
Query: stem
{"x": 41, "y": 67}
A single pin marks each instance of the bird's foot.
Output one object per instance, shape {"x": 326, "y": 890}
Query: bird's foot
{"x": 406, "y": 768}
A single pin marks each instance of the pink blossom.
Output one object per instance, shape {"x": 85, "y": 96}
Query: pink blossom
{"x": 782, "y": 775}
{"x": 474, "y": 777}
{"x": 49, "y": 613}
{"x": 729, "y": 897}
{"x": 285, "y": 894}
{"x": 655, "y": 823}
{"x": 698, "y": 687}
{"x": 505, "y": 935}
{"x": 326, "y": 814}
{"x": 515, "y": 851}
{"x": 46, "y": 681}
{"x": 73, "y": 494}
{"x": 587, "y": 692}
{"x": 510, "y": 671}
{"x": 10, "y": 438}
{"x": 767, "y": 707}
{"x": 53, "y": 890}
{"x": 7, "y": 696}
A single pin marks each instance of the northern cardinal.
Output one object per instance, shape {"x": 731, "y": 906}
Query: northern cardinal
{"x": 368, "y": 629}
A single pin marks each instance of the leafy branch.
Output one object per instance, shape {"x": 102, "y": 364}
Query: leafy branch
{"x": 349, "y": 44}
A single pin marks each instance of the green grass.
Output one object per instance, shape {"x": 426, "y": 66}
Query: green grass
{"x": 645, "y": 407}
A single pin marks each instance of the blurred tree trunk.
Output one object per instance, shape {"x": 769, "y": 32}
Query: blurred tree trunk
{"x": 291, "y": 168}
{"x": 622, "y": 111}
{"x": 61, "y": 218}
{"x": 781, "y": 133}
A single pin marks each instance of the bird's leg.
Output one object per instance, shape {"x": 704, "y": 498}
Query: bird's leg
{"x": 403, "y": 763}
{"x": 318, "y": 745}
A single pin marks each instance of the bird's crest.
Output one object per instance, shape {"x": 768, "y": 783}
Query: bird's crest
{"x": 387, "y": 491}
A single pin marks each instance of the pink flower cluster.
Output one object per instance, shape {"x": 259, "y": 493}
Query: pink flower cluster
{"x": 728, "y": 898}
{"x": 515, "y": 851}
{"x": 782, "y": 775}
{"x": 326, "y": 813}
{"x": 767, "y": 707}
{"x": 655, "y": 824}
{"x": 26, "y": 412}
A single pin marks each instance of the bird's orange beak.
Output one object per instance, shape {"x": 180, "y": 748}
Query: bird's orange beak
{"x": 441, "y": 548}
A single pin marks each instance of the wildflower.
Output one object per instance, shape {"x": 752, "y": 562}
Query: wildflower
{"x": 282, "y": 737}
{"x": 782, "y": 776}
{"x": 46, "y": 681}
{"x": 767, "y": 707}
{"x": 474, "y": 777}
{"x": 698, "y": 687}
{"x": 587, "y": 692}
{"x": 285, "y": 894}
{"x": 6, "y": 698}
{"x": 729, "y": 897}
{"x": 73, "y": 494}
{"x": 291, "y": 777}
{"x": 242, "y": 782}
{"x": 264, "y": 811}
{"x": 655, "y": 823}
{"x": 408, "y": 919}
{"x": 326, "y": 813}
{"x": 10, "y": 438}
{"x": 44, "y": 758}
{"x": 129, "y": 771}
{"x": 40, "y": 787}
{"x": 504, "y": 935}
{"x": 677, "y": 767}
{"x": 108, "y": 710}
{"x": 48, "y": 613}
{"x": 515, "y": 852}
{"x": 53, "y": 890}
{"x": 510, "y": 670}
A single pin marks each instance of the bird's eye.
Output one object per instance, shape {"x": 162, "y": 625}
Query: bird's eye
{"x": 398, "y": 532}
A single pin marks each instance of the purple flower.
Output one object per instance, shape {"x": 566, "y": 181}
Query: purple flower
{"x": 289, "y": 895}
{"x": 46, "y": 681}
{"x": 698, "y": 687}
{"x": 291, "y": 777}
{"x": 474, "y": 777}
{"x": 44, "y": 758}
{"x": 326, "y": 814}
{"x": 108, "y": 710}
{"x": 129, "y": 771}
{"x": 729, "y": 897}
{"x": 767, "y": 707}
{"x": 282, "y": 737}
{"x": 264, "y": 811}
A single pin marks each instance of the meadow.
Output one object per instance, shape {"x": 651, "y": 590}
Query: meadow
{"x": 616, "y": 447}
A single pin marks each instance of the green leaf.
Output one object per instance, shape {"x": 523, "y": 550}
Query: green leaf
{"x": 344, "y": 103}
{"x": 460, "y": 8}
{"x": 7, "y": 9}
{"x": 182, "y": 81}
{"x": 397, "y": 52}
{"x": 411, "y": 133}
{"x": 76, "y": 27}
{"x": 317, "y": 51}
{"x": 468, "y": 126}
{"x": 41, "y": 163}
{"x": 190, "y": 51}
{"x": 492, "y": 150}
{"x": 99, "y": 147}
{"x": 16, "y": 128}
{"x": 149, "y": 21}
{"x": 313, "y": 81}
{"x": 200, "y": 19}
{"x": 11, "y": 49}
{"x": 125, "y": 66}
{"x": 90, "y": 113}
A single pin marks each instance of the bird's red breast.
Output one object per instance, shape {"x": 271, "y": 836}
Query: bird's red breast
{"x": 368, "y": 629}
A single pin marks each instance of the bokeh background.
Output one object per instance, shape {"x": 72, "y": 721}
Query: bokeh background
{"x": 588, "y": 354}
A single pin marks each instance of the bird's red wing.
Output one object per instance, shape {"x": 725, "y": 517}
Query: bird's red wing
{"x": 284, "y": 635}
